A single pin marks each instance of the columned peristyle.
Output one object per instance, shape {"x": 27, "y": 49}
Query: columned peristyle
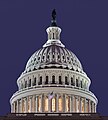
{"x": 57, "y": 103}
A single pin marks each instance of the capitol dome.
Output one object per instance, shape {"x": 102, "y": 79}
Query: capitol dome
{"x": 53, "y": 80}
{"x": 53, "y": 56}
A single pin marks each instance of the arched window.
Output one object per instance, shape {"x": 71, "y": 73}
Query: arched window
{"x": 66, "y": 80}
{"x": 60, "y": 81}
{"x": 46, "y": 82}
{"x": 72, "y": 82}
{"x": 25, "y": 84}
{"x": 40, "y": 80}
{"x": 21, "y": 85}
{"x": 53, "y": 35}
{"x": 77, "y": 85}
{"x": 81, "y": 84}
{"x": 29, "y": 84}
{"x": 35, "y": 81}
{"x": 53, "y": 79}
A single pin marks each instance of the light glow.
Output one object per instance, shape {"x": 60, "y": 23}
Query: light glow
{"x": 46, "y": 104}
{"x": 60, "y": 104}
{"x": 53, "y": 105}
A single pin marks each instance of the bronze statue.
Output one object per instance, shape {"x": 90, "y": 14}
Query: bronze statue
{"x": 54, "y": 14}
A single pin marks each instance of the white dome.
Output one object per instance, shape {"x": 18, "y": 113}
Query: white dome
{"x": 53, "y": 56}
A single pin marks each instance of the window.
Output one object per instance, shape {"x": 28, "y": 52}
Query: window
{"x": 66, "y": 80}
{"x": 60, "y": 104}
{"x": 53, "y": 35}
{"x": 40, "y": 80}
{"x": 29, "y": 84}
{"x": 53, "y": 56}
{"x": 81, "y": 84}
{"x": 72, "y": 82}
{"x": 46, "y": 104}
{"x": 46, "y": 82}
{"x": 60, "y": 81}
{"x": 53, "y": 79}
{"x": 77, "y": 83}
{"x": 34, "y": 83}
{"x": 25, "y": 84}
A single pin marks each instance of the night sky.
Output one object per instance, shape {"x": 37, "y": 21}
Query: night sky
{"x": 84, "y": 25}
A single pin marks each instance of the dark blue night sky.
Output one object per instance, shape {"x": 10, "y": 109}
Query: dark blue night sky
{"x": 84, "y": 25}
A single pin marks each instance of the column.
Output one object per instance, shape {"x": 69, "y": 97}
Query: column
{"x": 14, "y": 107}
{"x": 80, "y": 105}
{"x": 74, "y": 79}
{"x": 42, "y": 103}
{"x": 36, "y": 103}
{"x": 56, "y": 78}
{"x": 37, "y": 79}
{"x": 76, "y": 98}
{"x": 50, "y": 78}
{"x": 17, "y": 107}
{"x": 57, "y": 102}
{"x": 95, "y": 107}
{"x": 43, "y": 79}
{"x": 30, "y": 103}
{"x": 64, "y": 103}
{"x": 49, "y": 105}
{"x": 84, "y": 104}
{"x": 21, "y": 106}
{"x": 70, "y": 103}
{"x": 92, "y": 107}
{"x": 79, "y": 84}
{"x": 69, "y": 78}
{"x": 25, "y": 104}
{"x": 73, "y": 104}
{"x": 63, "y": 78}
{"x": 89, "y": 106}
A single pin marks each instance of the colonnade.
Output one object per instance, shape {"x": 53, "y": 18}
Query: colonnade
{"x": 53, "y": 103}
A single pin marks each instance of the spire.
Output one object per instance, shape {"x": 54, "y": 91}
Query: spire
{"x": 53, "y": 21}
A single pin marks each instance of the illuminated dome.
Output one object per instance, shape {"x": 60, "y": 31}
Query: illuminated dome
{"x": 53, "y": 56}
{"x": 53, "y": 81}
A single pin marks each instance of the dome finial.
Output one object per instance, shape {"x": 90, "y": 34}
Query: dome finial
{"x": 53, "y": 22}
